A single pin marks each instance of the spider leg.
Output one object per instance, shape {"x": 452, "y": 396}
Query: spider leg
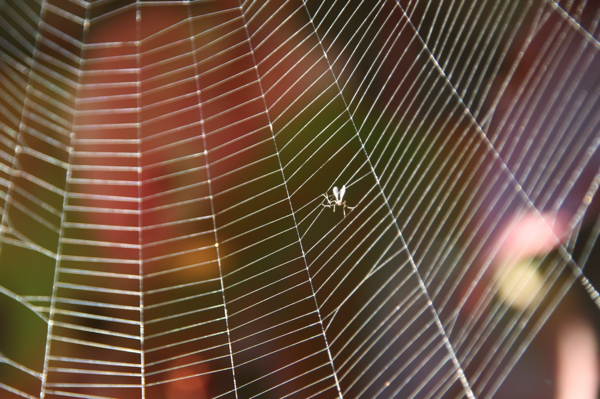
{"x": 349, "y": 207}
{"x": 329, "y": 203}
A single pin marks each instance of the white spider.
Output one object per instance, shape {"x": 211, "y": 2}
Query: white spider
{"x": 337, "y": 199}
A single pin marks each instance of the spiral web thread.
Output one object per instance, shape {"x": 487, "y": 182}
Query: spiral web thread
{"x": 164, "y": 166}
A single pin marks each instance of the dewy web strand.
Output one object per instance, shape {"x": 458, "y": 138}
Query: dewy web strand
{"x": 57, "y": 267}
{"x": 362, "y": 299}
{"x": 212, "y": 207}
{"x": 570, "y": 261}
{"x": 452, "y": 354}
{"x": 334, "y": 372}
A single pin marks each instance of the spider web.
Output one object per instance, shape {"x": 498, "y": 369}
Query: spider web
{"x": 164, "y": 166}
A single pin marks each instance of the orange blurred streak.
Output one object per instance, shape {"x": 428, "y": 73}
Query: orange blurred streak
{"x": 190, "y": 380}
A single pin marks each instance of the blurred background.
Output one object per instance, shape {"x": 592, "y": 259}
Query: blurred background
{"x": 163, "y": 166}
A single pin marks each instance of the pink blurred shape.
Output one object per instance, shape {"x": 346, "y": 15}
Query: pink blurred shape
{"x": 532, "y": 235}
{"x": 578, "y": 371}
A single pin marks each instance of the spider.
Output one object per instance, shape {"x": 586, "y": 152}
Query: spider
{"x": 337, "y": 199}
